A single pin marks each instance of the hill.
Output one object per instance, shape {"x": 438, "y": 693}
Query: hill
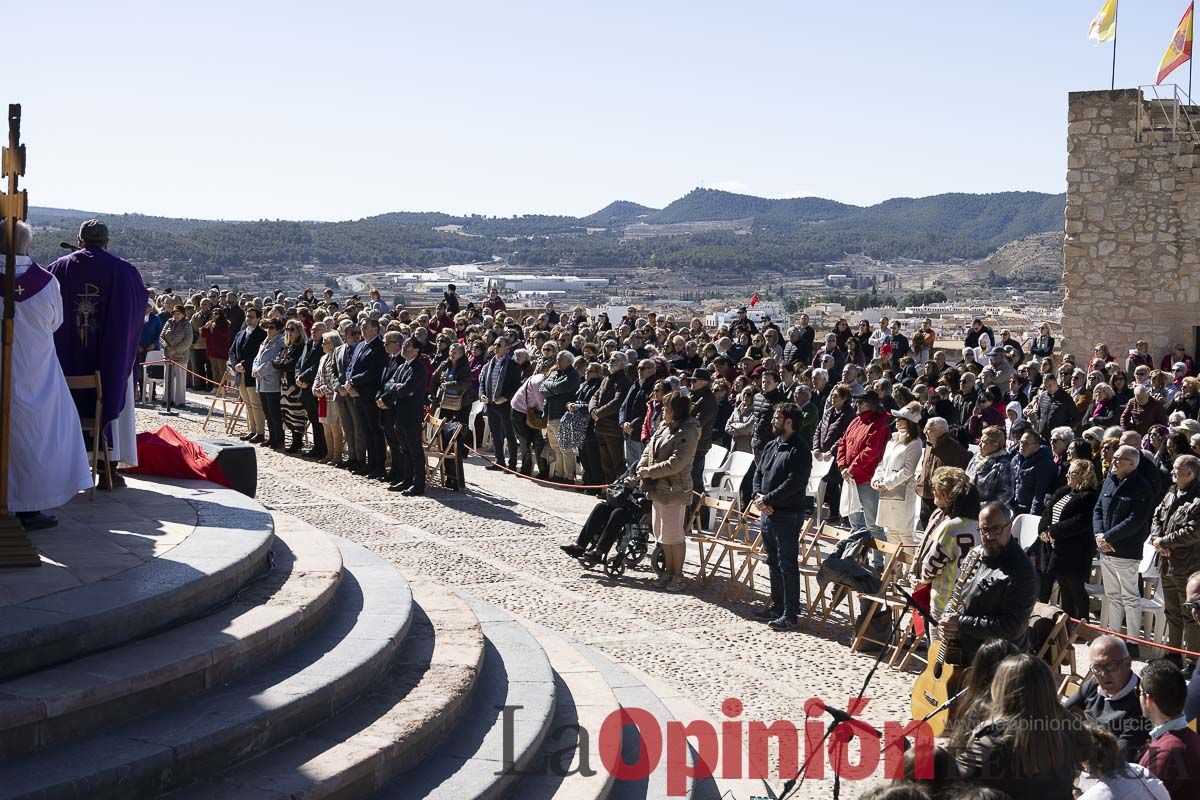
{"x": 621, "y": 212}
{"x": 793, "y": 236}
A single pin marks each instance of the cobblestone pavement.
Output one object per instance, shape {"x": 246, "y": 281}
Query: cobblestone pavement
{"x": 500, "y": 541}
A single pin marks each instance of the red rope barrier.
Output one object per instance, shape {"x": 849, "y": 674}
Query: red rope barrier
{"x": 1135, "y": 639}
{"x": 532, "y": 478}
{"x": 185, "y": 369}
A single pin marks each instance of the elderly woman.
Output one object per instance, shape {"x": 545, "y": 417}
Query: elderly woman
{"x": 991, "y": 468}
{"x": 666, "y": 471}
{"x": 1105, "y": 410}
{"x": 741, "y": 422}
{"x": 1066, "y": 526}
{"x": 291, "y": 404}
{"x": 324, "y": 389}
{"x": 895, "y": 477}
{"x": 266, "y": 375}
{"x": 952, "y": 531}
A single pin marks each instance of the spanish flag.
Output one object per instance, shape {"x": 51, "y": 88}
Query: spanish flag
{"x": 1179, "y": 52}
{"x": 1104, "y": 26}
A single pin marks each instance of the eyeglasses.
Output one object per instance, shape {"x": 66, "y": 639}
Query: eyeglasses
{"x": 1109, "y": 667}
{"x": 1191, "y": 606}
{"x": 992, "y": 530}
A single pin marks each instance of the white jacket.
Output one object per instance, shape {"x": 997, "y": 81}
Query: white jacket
{"x": 897, "y": 472}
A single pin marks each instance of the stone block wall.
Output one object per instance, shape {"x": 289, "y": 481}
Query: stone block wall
{"x": 1131, "y": 256}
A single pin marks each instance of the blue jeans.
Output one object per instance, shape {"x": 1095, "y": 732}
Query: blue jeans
{"x": 633, "y": 451}
{"x": 781, "y": 540}
{"x": 865, "y": 520}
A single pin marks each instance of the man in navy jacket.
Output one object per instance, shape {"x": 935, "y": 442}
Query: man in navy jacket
{"x": 780, "y": 487}
{"x": 363, "y": 376}
{"x": 1121, "y": 523}
{"x": 404, "y": 394}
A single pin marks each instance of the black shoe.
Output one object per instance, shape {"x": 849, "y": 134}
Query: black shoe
{"x": 245, "y": 437}
{"x": 413, "y": 491}
{"x": 296, "y": 446}
{"x": 36, "y": 520}
{"x": 314, "y": 453}
{"x": 400, "y": 486}
{"x": 590, "y": 558}
{"x": 376, "y": 475}
{"x": 573, "y": 550}
{"x": 493, "y": 468}
{"x": 254, "y": 438}
{"x": 104, "y": 484}
{"x": 784, "y": 624}
{"x": 768, "y": 614}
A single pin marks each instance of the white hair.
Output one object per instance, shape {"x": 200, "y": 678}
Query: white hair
{"x": 1130, "y": 452}
{"x": 23, "y": 238}
{"x": 1063, "y": 432}
{"x": 937, "y": 422}
{"x": 820, "y": 373}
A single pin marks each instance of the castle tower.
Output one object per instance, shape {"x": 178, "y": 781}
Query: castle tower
{"x": 1131, "y": 256}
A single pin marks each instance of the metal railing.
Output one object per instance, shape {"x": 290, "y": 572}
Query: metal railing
{"x": 1167, "y": 111}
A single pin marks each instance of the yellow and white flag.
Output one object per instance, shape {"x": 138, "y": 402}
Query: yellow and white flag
{"x": 1179, "y": 52}
{"x": 1104, "y": 26}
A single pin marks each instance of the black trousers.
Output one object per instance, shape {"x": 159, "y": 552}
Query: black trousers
{"x": 312, "y": 409}
{"x": 604, "y": 527}
{"x": 412, "y": 455}
{"x": 589, "y": 456}
{"x": 1072, "y": 595}
{"x": 372, "y": 431}
{"x": 612, "y": 455}
{"x": 529, "y": 445}
{"x": 833, "y": 491}
{"x": 501, "y": 424}
{"x": 387, "y": 418}
{"x": 274, "y": 414}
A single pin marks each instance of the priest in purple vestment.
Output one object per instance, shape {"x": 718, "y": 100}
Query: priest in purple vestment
{"x": 104, "y": 306}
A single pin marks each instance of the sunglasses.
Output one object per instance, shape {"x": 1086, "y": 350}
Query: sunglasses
{"x": 1191, "y": 606}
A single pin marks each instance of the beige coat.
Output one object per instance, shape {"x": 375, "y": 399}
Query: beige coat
{"x": 667, "y": 460}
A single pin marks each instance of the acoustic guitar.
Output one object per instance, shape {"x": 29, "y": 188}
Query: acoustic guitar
{"x": 932, "y": 687}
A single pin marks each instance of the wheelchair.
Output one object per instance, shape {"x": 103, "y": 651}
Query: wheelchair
{"x": 632, "y": 548}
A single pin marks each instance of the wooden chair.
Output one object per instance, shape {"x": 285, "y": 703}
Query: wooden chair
{"x": 896, "y": 558}
{"x": 811, "y": 555}
{"x": 231, "y": 405}
{"x": 438, "y": 452}
{"x": 743, "y": 551}
{"x": 722, "y": 514}
{"x": 838, "y": 593}
{"x": 98, "y": 449}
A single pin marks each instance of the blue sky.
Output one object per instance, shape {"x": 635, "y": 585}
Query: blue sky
{"x": 302, "y": 110}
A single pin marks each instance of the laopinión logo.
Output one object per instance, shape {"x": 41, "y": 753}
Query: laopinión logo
{"x": 740, "y": 749}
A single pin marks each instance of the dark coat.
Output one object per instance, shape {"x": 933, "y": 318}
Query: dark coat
{"x": 1122, "y": 514}
{"x": 246, "y": 344}
{"x": 1176, "y": 524}
{"x": 1033, "y": 478}
{"x": 764, "y": 409}
{"x": 510, "y": 379}
{"x": 1123, "y": 717}
{"x": 404, "y": 392}
{"x": 365, "y": 370}
{"x": 1074, "y": 542}
{"x": 832, "y": 425}
{"x": 606, "y": 403}
{"x": 989, "y": 761}
{"x": 1054, "y": 411}
{"x": 633, "y": 406}
{"x": 782, "y": 474}
{"x": 704, "y": 409}
{"x": 998, "y": 601}
{"x": 310, "y": 360}
{"x": 559, "y": 388}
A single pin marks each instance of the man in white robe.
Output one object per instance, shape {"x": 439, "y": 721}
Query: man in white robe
{"x": 48, "y": 462}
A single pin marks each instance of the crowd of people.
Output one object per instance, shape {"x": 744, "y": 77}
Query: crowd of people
{"x": 938, "y": 452}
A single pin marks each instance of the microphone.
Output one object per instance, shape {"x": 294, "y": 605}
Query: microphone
{"x": 817, "y": 707}
{"x": 67, "y": 246}
{"x": 914, "y": 605}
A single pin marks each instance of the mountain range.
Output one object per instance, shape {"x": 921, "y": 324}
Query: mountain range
{"x": 706, "y": 230}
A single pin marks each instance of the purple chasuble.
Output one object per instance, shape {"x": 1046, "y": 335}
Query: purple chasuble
{"x": 104, "y": 306}
{"x": 32, "y": 281}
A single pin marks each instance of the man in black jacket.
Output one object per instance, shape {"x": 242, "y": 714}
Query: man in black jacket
{"x": 780, "y": 487}
{"x": 241, "y": 360}
{"x": 1054, "y": 408}
{"x": 1109, "y": 696}
{"x": 363, "y": 376}
{"x": 405, "y": 395}
{"x": 499, "y": 380}
{"x": 998, "y": 598}
{"x": 604, "y": 407}
{"x": 306, "y": 375}
{"x": 633, "y": 410}
{"x": 1121, "y": 523}
{"x": 704, "y": 409}
{"x": 763, "y": 431}
{"x": 393, "y": 342}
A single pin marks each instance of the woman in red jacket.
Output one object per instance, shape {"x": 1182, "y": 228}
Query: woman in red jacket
{"x": 218, "y": 336}
{"x": 859, "y": 453}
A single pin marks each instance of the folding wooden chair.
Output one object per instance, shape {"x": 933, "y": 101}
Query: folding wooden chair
{"x": 98, "y": 449}
{"x": 810, "y": 554}
{"x": 896, "y": 557}
{"x": 231, "y": 405}
{"x": 838, "y": 593}
{"x": 745, "y": 544}
{"x": 722, "y": 514}
{"x": 437, "y": 451}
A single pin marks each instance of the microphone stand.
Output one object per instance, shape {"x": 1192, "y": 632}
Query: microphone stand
{"x": 791, "y": 786}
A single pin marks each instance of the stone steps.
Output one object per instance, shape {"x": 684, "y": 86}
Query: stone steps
{"x": 370, "y": 617}
{"x": 394, "y": 727}
{"x": 229, "y": 545}
{"x": 266, "y": 619}
{"x": 474, "y": 763}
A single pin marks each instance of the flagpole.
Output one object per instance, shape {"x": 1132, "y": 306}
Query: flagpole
{"x": 1116, "y": 18}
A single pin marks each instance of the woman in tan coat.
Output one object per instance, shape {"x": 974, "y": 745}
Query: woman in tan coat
{"x": 666, "y": 472}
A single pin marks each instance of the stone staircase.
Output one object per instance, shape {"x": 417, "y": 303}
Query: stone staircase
{"x": 262, "y": 659}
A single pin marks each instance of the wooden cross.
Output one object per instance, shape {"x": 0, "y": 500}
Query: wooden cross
{"x": 15, "y": 547}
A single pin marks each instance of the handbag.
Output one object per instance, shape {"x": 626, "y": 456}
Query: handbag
{"x": 534, "y": 418}
{"x": 572, "y": 429}
{"x": 450, "y": 400}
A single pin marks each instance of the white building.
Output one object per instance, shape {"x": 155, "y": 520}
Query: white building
{"x": 543, "y": 283}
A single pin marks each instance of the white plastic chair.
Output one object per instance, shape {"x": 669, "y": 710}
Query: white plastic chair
{"x": 148, "y": 382}
{"x": 731, "y": 482}
{"x": 479, "y": 408}
{"x": 1148, "y": 568}
{"x": 816, "y": 487}
{"x": 1025, "y": 528}
{"x": 714, "y": 463}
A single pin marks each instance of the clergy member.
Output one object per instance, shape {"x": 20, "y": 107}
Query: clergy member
{"x": 104, "y": 303}
{"x": 47, "y": 462}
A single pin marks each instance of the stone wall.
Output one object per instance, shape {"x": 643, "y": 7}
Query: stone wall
{"x": 1132, "y": 248}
